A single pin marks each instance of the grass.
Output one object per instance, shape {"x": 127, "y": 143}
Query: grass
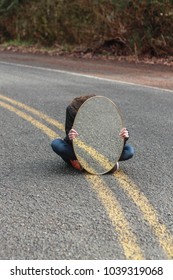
{"x": 16, "y": 43}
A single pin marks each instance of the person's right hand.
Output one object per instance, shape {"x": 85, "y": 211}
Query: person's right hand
{"x": 72, "y": 134}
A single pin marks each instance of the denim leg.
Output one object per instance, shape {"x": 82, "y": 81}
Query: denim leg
{"x": 127, "y": 153}
{"x": 63, "y": 149}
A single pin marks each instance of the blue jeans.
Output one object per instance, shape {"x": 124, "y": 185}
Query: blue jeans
{"x": 127, "y": 153}
{"x": 63, "y": 149}
{"x": 66, "y": 152}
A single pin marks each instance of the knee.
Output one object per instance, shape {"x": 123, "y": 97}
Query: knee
{"x": 127, "y": 153}
{"x": 131, "y": 151}
{"x": 56, "y": 145}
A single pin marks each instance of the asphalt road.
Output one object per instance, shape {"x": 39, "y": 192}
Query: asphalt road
{"x": 50, "y": 211}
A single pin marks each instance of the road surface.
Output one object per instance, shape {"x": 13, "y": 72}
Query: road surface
{"x": 49, "y": 210}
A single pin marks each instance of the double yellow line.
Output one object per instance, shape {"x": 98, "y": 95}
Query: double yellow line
{"x": 114, "y": 210}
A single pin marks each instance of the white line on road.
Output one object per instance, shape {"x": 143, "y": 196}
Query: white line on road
{"x": 82, "y": 75}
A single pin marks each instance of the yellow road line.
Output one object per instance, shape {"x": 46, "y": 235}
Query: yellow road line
{"x": 34, "y": 111}
{"x": 30, "y": 119}
{"x": 164, "y": 236}
{"x": 100, "y": 158}
{"x": 115, "y": 213}
{"x": 125, "y": 236}
{"x": 149, "y": 213}
{"x": 95, "y": 154}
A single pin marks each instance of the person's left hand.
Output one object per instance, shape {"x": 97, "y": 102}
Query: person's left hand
{"x": 124, "y": 133}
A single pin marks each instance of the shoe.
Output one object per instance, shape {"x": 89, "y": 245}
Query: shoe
{"x": 115, "y": 168}
{"x": 75, "y": 163}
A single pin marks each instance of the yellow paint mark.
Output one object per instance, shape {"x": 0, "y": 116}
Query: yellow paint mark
{"x": 125, "y": 236}
{"x": 115, "y": 213}
{"x": 28, "y": 118}
{"x": 33, "y": 111}
{"x": 91, "y": 151}
{"x": 164, "y": 236}
{"x": 96, "y": 155}
{"x": 133, "y": 191}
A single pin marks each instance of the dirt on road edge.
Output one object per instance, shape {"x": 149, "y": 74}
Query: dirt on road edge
{"x": 155, "y": 75}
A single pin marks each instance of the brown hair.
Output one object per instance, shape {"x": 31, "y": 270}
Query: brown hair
{"x": 78, "y": 101}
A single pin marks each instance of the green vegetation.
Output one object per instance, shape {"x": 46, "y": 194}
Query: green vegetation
{"x": 117, "y": 27}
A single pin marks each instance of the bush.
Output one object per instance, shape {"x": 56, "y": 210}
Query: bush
{"x": 110, "y": 26}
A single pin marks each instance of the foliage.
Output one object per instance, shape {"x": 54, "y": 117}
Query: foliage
{"x": 110, "y": 26}
{"x": 8, "y": 5}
